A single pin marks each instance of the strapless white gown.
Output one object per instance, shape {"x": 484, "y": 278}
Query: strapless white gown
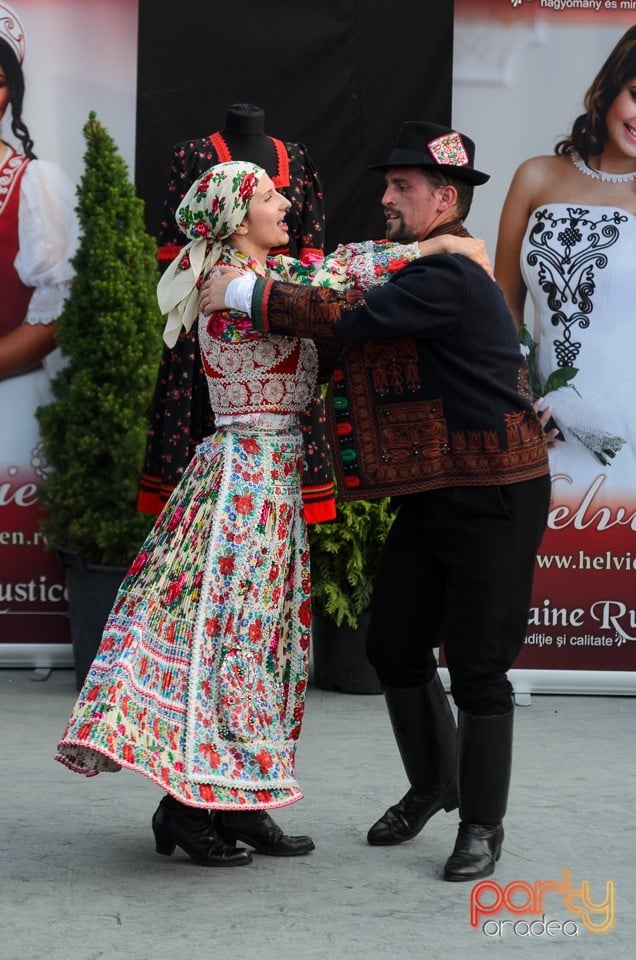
{"x": 579, "y": 265}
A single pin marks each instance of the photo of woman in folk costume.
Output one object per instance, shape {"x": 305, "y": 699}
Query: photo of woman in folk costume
{"x": 199, "y": 683}
{"x": 38, "y": 237}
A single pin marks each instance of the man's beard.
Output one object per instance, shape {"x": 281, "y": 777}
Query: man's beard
{"x": 398, "y": 232}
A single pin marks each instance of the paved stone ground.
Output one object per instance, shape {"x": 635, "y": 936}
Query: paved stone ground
{"x": 79, "y": 878}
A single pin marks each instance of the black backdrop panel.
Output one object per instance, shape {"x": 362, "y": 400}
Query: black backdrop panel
{"x": 337, "y": 75}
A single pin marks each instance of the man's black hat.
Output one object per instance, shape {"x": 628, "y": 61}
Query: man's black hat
{"x": 434, "y": 147}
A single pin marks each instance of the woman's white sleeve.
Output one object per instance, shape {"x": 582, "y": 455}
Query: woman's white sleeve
{"x": 48, "y": 233}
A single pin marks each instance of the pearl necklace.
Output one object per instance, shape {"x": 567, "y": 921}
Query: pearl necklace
{"x": 581, "y": 165}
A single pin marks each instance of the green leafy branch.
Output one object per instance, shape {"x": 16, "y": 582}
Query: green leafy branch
{"x": 555, "y": 380}
{"x": 344, "y": 554}
{"x": 603, "y": 446}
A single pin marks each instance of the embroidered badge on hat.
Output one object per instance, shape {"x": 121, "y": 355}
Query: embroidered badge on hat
{"x": 448, "y": 150}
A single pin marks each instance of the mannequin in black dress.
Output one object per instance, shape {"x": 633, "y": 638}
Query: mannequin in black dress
{"x": 181, "y": 415}
{"x": 244, "y": 134}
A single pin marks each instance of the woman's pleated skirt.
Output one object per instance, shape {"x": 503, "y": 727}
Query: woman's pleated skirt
{"x": 200, "y": 678}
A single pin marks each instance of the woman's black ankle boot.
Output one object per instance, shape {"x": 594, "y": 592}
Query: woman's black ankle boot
{"x": 256, "y": 828}
{"x": 176, "y": 825}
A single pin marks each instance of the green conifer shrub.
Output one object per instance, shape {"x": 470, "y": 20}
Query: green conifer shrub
{"x": 94, "y": 431}
{"x": 344, "y": 554}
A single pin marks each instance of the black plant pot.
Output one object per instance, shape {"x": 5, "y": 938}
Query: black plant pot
{"x": 92, "y": 589}
{"x": 339, "y": 657}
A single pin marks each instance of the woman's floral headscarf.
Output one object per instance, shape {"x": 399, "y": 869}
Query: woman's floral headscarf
{"x": 214, "y": 206}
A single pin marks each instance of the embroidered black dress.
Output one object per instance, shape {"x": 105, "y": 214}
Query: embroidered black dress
{"x": 181, "y": 415}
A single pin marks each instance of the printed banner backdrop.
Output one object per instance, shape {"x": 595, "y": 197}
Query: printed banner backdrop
{"x": 339, "y": 76}
{"x": 321, "y": 79}
{"x": 521, "y": 71}
{"x": 324, "y": 82}
{"x": 78, "y": 57}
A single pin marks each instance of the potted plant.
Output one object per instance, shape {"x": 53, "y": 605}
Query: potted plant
{"x": 94, "y": 430}
{"x": 344, "y": 554}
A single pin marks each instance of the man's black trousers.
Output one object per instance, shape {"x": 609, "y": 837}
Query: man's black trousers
{"x": 456, "y": 571}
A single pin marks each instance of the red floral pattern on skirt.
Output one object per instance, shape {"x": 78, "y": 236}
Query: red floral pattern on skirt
{"x": 200, "y": 679}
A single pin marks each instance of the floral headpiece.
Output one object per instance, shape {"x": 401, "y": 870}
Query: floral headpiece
{"x": 214, "y": 206}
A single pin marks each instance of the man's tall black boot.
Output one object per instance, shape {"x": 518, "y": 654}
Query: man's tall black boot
{"x": 484, "y": 747}
{"x": 426, "y": 736}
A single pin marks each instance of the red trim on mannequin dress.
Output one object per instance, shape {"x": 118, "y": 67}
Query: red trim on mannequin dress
{"x": 280, "y": 178}
{"x": 322, "y": 509}
{"x": 310, "y": 254}
{"x": 168, "y": 251}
